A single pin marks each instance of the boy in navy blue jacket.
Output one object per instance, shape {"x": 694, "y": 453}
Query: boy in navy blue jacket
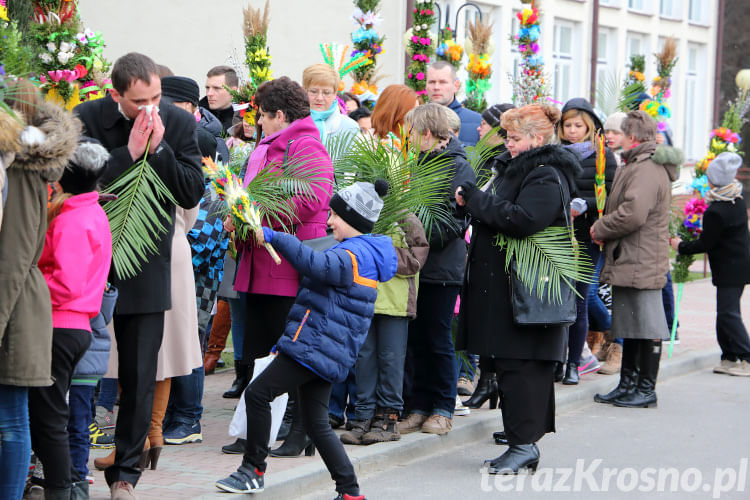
{"x": 325, "y": 329}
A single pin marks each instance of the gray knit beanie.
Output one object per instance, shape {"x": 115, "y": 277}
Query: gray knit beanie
{"x": 360, "y": 204}
{"x": 614, "y": 121}
{"x": 723, "y": 168}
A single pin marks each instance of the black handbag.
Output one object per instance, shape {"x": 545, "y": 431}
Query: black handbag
{"x": 531, "y": 310}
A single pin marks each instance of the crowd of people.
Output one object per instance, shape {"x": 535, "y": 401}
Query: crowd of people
{"x": 378, "y": 334}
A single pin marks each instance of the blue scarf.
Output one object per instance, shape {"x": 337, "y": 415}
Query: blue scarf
{"x": 320, "y": 117}
{"x": 581, "y": 149}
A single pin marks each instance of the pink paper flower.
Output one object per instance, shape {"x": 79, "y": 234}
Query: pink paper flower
{"x": 415, "y": 39}
{"x": 420, "y": 76}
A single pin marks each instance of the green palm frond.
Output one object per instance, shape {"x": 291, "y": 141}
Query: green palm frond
{"x": 547, "y": 260}
{"x": 137, "y": 217}
{"x": 417, "y": 185}
{"x": 608, "y": 90}
{"x": 629, "y": 96}
{"x": 480, "y": 154}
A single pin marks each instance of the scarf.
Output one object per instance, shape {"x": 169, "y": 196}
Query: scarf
{"x": 730, "y": 192}
{"x": 581, "y": 149}
{"x": 320, "y": 117}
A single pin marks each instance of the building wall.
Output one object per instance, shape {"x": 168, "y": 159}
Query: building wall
{"x": 190, "y": 38}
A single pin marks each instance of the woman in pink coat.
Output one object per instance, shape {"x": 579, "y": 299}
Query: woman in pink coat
{"x": 290, "y": 134}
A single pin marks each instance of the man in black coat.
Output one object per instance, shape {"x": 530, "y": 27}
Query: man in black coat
{"x": 128, "y": 122}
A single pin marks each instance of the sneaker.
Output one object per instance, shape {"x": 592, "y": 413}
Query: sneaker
{"x": 589, "y": 365}
{"x": 90, "y": 478}
{"x": 437, "y": 424}
{"x": 98, "y": 440}
{"x": 105, "y": 419}
{"x": 742, "y": 369}
{"x": 725, "y": 366}
{"x": 183, "y": 434}
{"x": 245, "y": 480}
{"x": 465, "y": 386}
{"x": 344, "y": 496}
{"x": 412, "y": 423}
{"x": 460, "y": 409}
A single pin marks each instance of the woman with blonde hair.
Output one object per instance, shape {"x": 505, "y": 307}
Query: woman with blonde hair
{"x": 321, "y": 82}
{"x": 532, "y": 193}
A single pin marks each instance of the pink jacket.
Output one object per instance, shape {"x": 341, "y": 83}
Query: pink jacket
{"x": 256, "y": 271}
{"x": 75, "y": 261}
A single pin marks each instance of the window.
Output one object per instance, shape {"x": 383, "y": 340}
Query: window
{"x": 515, "y": 24}
{"x": 636, "y": 44}
{"x": 640, "y": 6}
{"x": 694, "y": 108}
{"x": 565, "y": 80}
{"x": 606, "y": 70}
{"x": 670, "y": 9}
{"x": 697, "y": 11}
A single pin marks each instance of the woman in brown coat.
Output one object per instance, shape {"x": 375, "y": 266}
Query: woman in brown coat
{"x": 636, "y": 257}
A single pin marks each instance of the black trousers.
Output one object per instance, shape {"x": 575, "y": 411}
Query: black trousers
{"x": 265, "y": 317}
{"x": 48, "y": 409}
{"x": 286, "y": 375}
{"x": 730, "y": 330}
{"x": 138, "y": 341}
{"x": 528, "y": 398}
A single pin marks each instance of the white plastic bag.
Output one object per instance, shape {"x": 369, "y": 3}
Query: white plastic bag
{"x": 238, "y": 425}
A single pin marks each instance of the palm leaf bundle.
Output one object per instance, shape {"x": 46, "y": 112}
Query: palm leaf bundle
{"x": 415, "y": 185}
{"x": 267, "y": 196}
{"x": 480, "y": 154}
{"x": 136, "y": 216}
{"x": 546, "y": 261}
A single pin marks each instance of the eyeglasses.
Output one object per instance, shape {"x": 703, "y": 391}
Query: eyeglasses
{"x": 317, "y": 92}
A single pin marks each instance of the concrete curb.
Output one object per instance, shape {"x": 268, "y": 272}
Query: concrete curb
{"x": 303, "y": 480}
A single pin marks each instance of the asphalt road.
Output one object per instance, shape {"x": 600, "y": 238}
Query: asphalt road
{"x": 696, "y": 444}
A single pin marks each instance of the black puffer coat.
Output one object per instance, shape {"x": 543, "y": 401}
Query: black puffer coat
{"x": 525, "y": 200}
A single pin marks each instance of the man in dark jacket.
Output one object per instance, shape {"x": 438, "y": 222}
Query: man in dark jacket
{"x": 431, "y": 355}
{"x": 442, "y": 85}
{"x": 218, "y": 99}
{"x": 129, "y": 123}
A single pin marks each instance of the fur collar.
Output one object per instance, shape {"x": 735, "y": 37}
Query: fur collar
{"x": 552, "y": 155}
{"x": 61, "y": 131}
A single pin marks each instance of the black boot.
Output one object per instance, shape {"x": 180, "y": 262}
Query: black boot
{"x": 500, "y": 438}
{"x": 571, "y": 374}
{"x": 644, "y": 395}
{"x": 286, "y": 422}
{"x": 518, "y": 456}
{"x": 486, "y": 389}
{"x": 558, "y": 375}
{"x": 296, "y": 441}
{"x": 242, "y": 378}
{"x": 236, "y": 448}
{"x": 628, "y": 373}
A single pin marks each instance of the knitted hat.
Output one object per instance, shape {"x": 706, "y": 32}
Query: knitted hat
{"x": 614, "y": 121}
{"x": 360, "y": 204}
{"x": 492, "y": 114}
{"x": 180, "y": 89}
{"x": 723, "y": 168}
{"x": 83, "y": 171}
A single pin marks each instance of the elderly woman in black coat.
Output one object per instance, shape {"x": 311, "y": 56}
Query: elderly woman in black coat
{"x": 524, "y": 200}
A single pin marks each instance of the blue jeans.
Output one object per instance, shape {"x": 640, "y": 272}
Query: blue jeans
{"x": 108, "y": 393}
{"x": 600, "y": 319}
{"x": 339, "y": 395}
{"x": 185, "y": 396}
{"x": 380, "y": 366}
{"x": 433, "y": 357}
{"x": 577, "y": 331}
{"x": 80, "y": 400}
{"x": 15, "y": 440}
{"x": 237, "y": 314}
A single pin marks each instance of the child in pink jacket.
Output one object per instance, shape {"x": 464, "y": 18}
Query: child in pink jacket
{"x": 75, "y": 264}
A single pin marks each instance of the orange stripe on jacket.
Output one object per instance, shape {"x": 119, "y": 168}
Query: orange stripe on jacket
{"x": 360, "y": 280}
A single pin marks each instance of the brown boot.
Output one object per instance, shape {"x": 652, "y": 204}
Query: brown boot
{"x": 595, "y": 340}
{"x": 104, "y": 462}
{"x": 605, "y": 346}
{"x": 155, "y": 438}
{"x": 386, "y": 431}
{"x": 613, "y": 360}
{"x": 217, "y": 339}
{"x": 359, "y": 429}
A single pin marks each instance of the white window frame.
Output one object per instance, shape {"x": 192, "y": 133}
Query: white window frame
{"x": 615, "y": 4}
{"x": 564, "y": 64}
{"x": 694, "y": 107}
{"x": 674, "y": 12}
{"x": 643, "y": 40}
{"x": 645, "y": 7}
{"x": 701, "y": 17}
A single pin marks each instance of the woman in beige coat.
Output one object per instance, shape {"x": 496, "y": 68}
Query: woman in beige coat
{"x": 180, "y": 349}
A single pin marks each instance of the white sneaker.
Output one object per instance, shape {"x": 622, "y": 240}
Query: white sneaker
{"x": 741, "y": 369}
{"x": 725, "y": 366}
{"x": 460, "y": 409}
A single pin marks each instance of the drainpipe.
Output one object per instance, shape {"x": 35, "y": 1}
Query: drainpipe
{"x": 594, "y": 51}
{"x": 718, "y": 61}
